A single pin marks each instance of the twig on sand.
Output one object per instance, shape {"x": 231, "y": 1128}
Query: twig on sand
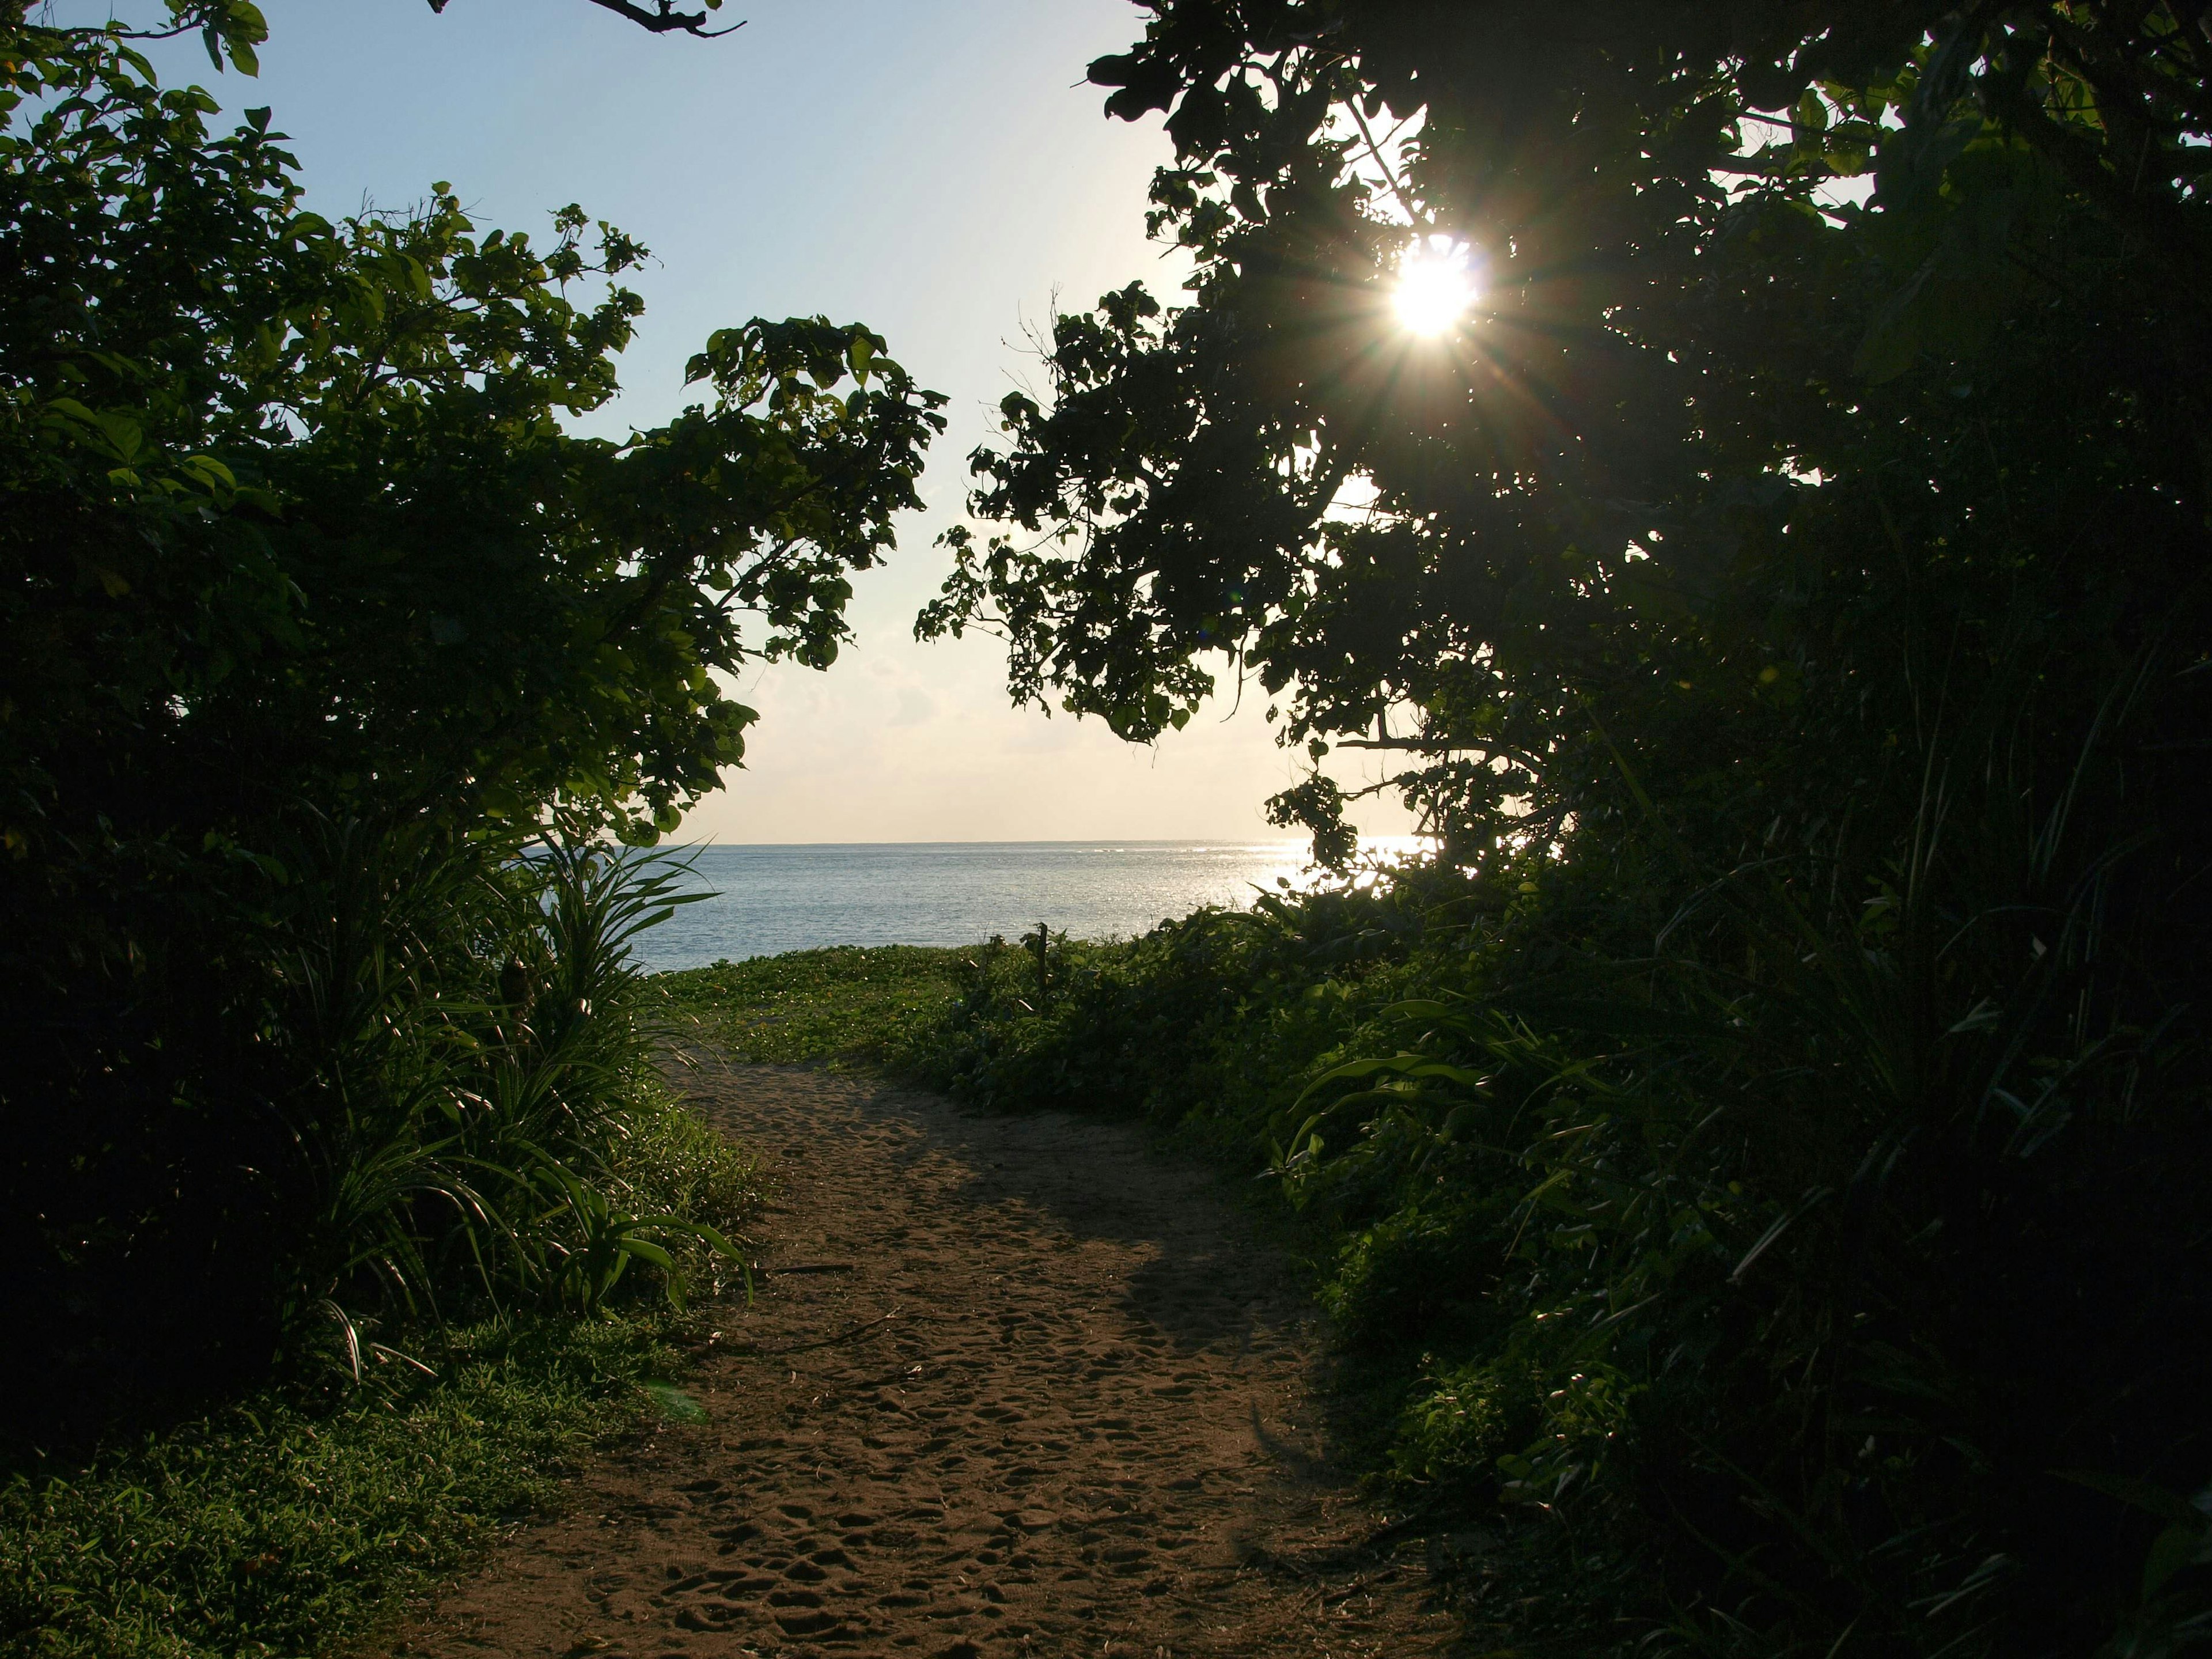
{"x": 1325, "y": 1594}
{"x": 827, "y": 1341}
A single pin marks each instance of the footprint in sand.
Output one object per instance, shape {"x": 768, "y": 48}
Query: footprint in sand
{"x": 1060, "y": 1405}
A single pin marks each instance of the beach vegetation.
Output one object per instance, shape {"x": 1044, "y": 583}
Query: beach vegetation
{"x": 341, "y": 684}
{"x": 294, "y": 1516}
{"x": 1743, "y": 466}
{"x": 1768, "y": 1153}
{"x": 844, "y": 1006}
{"x": 336, "y": 667}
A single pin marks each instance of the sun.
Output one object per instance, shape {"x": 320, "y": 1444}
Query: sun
{"x": 1436, "y": 287}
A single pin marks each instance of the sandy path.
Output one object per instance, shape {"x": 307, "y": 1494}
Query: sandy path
{"x": 1059, "y": 1405}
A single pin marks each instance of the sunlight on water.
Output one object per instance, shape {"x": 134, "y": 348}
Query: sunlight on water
{"x": 771, "y": 899}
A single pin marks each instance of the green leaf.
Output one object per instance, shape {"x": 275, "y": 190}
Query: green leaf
{"x": 648, "y": 1252}
{"x": 2178, "y": 1547}
{"x": 676, "y": 1406}
{"x": 2141, "y": 1495}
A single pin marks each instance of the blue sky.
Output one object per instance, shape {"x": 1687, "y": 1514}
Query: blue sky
{"x": 934, "y": 168}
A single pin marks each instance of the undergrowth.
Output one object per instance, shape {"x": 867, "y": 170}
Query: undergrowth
{"x": 297, "y": 1516}
{"x": 397, "y": 1432}
{"x": 1813, "y": 1266}
{"x": 842, "y": 1005}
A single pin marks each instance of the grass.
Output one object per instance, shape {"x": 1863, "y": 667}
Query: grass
{"x": 845, "y": 1006}
{"x": 290, "y": 1520}
{"x": 294, "y": 1521}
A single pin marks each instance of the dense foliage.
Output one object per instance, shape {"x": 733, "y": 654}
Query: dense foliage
{"x": 1717, "y": 461}
{"x": 315, "y": 618}
{"x": 1779, "y": 1153}
{"x": 288, "y": 1522}
{"x": 1601, "y": 1311}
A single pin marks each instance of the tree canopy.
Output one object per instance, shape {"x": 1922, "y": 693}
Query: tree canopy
{"x": 305, "y": 501}
{"x": 1783, "y": 580}
{"x": 1800, "y": 327}
{"x": 301, "y": 556}
{"x": 233, "y": 29}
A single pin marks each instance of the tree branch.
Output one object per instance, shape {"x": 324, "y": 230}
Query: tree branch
{"x": 666, "y": 20}
{"x": 663, "y": 18}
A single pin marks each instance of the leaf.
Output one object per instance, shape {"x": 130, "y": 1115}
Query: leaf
{"x": 676, "y": 1406}
{"x": 2178, "y": 1546}
{"x": 1984, "y": 1015}
{"x": 648, "y": 1252}
{"x": 2139, "y": 1494}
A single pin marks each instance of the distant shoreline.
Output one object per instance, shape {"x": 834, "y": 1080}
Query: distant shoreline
{"x": 1368, "y": 843}
{"x": 1077, "y": 841}
{"x": 772, "y": 897}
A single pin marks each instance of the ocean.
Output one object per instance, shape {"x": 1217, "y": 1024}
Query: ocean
{"x": 768, "y": 900}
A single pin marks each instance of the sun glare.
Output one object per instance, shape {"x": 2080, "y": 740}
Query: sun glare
{"x": 1436, "y": 287}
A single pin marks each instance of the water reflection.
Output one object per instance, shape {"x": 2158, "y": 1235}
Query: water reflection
{"x": 771, "y": 899}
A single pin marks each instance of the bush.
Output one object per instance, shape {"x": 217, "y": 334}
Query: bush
{"x": 1168, "y": 1025}
{"x": 485, "y": 1152}
{"x": 1820, "y": 1260}
{"x": 462, "y": 1114}
{"x": 317, "y": 623}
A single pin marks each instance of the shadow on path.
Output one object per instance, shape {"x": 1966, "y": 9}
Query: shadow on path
{"x": 1048, "y": 1397}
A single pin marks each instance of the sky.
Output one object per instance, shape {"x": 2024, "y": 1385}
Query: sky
{"x": 936, "y": 169}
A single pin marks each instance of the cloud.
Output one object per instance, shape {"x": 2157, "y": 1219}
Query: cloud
{"x": 915, "y": 707}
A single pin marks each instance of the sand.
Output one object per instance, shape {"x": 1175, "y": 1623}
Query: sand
{"x": 1011, "y": 1386}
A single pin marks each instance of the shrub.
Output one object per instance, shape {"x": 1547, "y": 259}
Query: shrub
{"x": 317, "y": 624}
{"x": 1823, "y": 1259}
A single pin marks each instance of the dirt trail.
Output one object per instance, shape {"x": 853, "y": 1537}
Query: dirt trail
{"x": 1042, "y": 1396}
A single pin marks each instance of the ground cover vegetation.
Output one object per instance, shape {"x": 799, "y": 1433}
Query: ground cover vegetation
{"x": 336, "y": 670}
{"x": 1770, "y": 1151}
{"x": 847, "y": 1005}
{"x": 287, "y": 1521}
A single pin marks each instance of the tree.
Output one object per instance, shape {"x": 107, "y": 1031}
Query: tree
{"x": 315, "y": 505}
{"x": 297, "y": 550}
{"x": 1703, "y": 409}
{"x": 1785, "y": 582}
{"x": 233, "y": 29}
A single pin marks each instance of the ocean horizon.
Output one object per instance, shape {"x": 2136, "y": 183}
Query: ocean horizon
{"x": 770, "y": 899}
